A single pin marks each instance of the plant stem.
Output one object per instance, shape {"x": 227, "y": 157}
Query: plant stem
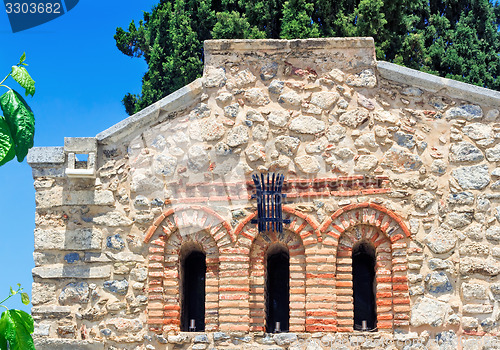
{"x": 10, "y": 296}
{"x": 4, "y": 79}
{"x": 5, "y": 307}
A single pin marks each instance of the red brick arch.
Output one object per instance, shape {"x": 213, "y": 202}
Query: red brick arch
{"x": 166, "y": 237}
{"x": 301, "y": 237}
{"x": 389, "y": 235}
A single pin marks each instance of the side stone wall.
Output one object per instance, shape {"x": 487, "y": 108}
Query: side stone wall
{"x": 370, "y": 151}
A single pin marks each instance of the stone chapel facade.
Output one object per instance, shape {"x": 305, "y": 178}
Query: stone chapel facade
{"x": 392, "y": 188}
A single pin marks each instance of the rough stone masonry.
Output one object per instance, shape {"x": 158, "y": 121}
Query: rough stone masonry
{"x": 371, "y": 152}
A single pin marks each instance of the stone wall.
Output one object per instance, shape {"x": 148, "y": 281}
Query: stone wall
{"x": 370, "y": 152}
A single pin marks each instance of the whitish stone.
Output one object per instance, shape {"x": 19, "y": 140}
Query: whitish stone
{"x": 232, "y": 110}
{"x": 98, "y": 197}
{"x": 354, "y": 118}
{"x": 427, "y": 311}
{"x": 256, "y": 97}
{"x": 317, "y": 146}
{"x": 308, "y": 164}
{"x": 243, "y": 78}
{"x": 201, "y": 111}
{"x": 305, "y": 124}
{"x": 42, "y": 293}
{"x": 475, "y": 177}
{"x": 459, "y": 219}
{"x": 287, "y": 144}
{"x": 211, "y": 129}
{"x": 282, "y": 339}
{"x": 214, "y": 77}
{"x": 164, "y": 165}
{"x": 282, "y": 161}
{"x": 468, "y": 112}
{"x": 478, "y": 131}
{"x": 335, "y": 133}
{"x": 412, "y": 91}
{"x": 486, "y": 267}
{"x": 222, "y": 149}
{"x": 439, "y": 167}
{"x": 143, "y": 181}
{"x": 475, "y": 231}
{"x": 366, "y": 163}
{"x": 422, "y": 199}
{"x": 260, "y": 132}
{"x": 465, "y": 152}
{"x": 198, "y": 158}
{"x": 365, "y": 78}
{"x": 72, "y": 271}
{"x": 77, "y": 239}
{"x": 255, "y": 116}
{"x": 478, "y": 308}
{"x": 278, "y": 118}
{"x": 124, "y": 324}
{"x": 276, "y": 87}
{"x": 224, "y": 98}
{"x": 492, "y": 115}
{"x": 474, "y": 291}
{"x": 441, "y": 240}
{"x": 345, "y": 153}
{"x": 119, "y": 287}
{"x": 255, "y": 152}
{"x": 324, "y": 99}
{"x": 474, "y": 249}
{"x": 440, "y": 264}
{"x": 366, "y": 140}
{"x": 112, "y": 219}
{"x": 385, "y": 117}
{"x": 438, "y": 283}
{"x": 67, "y": 344}
{"x": 337, "y": 75}
{"x": 400, "y": 159}
{"x": 493, "y": 154}
{"x": 493, "y": 233}
{"x": 237, "y": 136}
{"x": 77, "y": 292}
{"x": 290, "y": 98}
{"x": 380, "y": 131}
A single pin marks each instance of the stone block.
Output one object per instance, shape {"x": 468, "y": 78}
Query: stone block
{"x": 82, "y": 145}
{"x": 67, "y": 344}
{"x": 78, "y": 239}
{"x": 46, "y": 155}
{"x": 64, "y": 271}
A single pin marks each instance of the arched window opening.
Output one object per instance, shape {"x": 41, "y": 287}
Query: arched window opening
{"x": 277, "y": 289}
{"x": 193, "y": 270}
{"x": 363, "y": 278}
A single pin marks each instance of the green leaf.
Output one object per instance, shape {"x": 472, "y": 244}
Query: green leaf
{"x": 21, "y": 75}
{"x": 16, "y": 327}
{"x": 23, "y": 57}
{"x": 25, "y": 298}
{"x": 21, "y": 121}
{"x": 7, "y": 150}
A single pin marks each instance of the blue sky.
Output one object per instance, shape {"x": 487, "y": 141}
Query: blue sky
{"x": 81, "y": 78}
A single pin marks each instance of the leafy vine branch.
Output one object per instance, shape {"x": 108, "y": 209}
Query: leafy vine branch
{"x": 17, "y": 125}
{"x": 16, "y": 326}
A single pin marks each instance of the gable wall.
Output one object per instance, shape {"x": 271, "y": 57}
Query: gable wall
{"x": 409, "y": 169}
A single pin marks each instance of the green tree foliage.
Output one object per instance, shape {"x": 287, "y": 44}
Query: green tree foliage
{"x": 16, "y": 326}
{"x": 458, "y": 39}
{"x": 17, "y": 125}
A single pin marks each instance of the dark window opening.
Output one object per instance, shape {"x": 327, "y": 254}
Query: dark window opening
{"x": 363, "y": 278}
{"x": 277, "y": 290}
{"x": 193, "y": 292}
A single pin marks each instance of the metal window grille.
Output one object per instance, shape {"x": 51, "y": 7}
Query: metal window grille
{"x": 269, "y": 202}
